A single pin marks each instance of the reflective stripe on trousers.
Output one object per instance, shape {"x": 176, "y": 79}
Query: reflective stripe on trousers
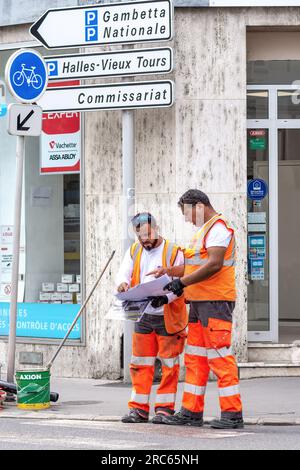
{"x": 229, "y": 391}
{"x": 165, "y": 398}
{"x": 195, "y": 350}
{"x": 194, "y": 389}
{"x": 169, "y": 361}
{"x": 139, "y": 397}
{"x": 216, "y": 353}
{"x": 143, "y": 360}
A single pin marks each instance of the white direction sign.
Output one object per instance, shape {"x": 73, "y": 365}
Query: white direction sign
{"x": 109, "y": 96}
{"x": 24, "y": 119}
{"x": 110, "y": 64}
{"x": 112, "y": 23}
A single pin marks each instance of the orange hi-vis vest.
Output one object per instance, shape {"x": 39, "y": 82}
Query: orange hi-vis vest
{"x": 175, "y": 313}
{"x": 220, "y": 286}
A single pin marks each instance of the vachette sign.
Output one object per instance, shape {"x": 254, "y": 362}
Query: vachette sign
{"x": 129, "y": 22}
{"x": 60, "y": 142}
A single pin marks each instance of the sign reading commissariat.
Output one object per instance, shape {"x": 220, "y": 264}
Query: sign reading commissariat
{"x": 130, "y": 95}
{"x": 116, "y": 23}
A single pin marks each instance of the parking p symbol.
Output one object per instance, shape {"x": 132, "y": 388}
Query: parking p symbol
{"x": 52, "y": 68}
{"x": 91, "y": 25}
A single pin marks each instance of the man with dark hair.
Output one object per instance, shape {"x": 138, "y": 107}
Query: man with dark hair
{"x": 161, "y": 330}
{"x": 208, "y": 283}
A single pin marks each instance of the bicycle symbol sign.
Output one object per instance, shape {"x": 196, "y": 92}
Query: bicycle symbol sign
{"x": 29, "y": 76}
{"x": 26, "y": 75}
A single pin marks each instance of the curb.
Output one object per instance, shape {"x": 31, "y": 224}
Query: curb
{"x": 249, "y": 421}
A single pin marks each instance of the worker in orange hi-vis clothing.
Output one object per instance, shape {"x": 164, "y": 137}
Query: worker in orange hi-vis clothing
{"x": 208, "y": 283}
{"x": 161, "y": 332}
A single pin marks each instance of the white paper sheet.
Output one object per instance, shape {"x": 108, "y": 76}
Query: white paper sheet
{"x": 148, "y": 289}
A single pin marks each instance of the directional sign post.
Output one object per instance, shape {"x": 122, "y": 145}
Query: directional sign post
{"x": 110, "y": 64}
{"x": 27, "y": 78}
{"x": 108, "y": 24}
{"x": 131, "y": 95}
{"x": 116, "y": 23}
{"x": 25, "y": 120}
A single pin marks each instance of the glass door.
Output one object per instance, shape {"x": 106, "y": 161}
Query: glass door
{"x": 262, "y": 252}
{"x": 288, "y": 131}
{"x": 258, "y": 231}
{"x": 273, "y": 143}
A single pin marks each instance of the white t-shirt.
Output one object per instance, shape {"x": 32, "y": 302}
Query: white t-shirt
{"x": 218, "y": 235}
{"x": 150, "y": 260}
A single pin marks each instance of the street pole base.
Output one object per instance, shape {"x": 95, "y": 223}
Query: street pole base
{"x": 10, "y": 398}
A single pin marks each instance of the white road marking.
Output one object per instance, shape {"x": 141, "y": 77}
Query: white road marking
{"x": 166, "y": 431}
{"x": 75, "y": 442}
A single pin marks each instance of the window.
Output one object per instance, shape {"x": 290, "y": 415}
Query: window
{"x": 49, "y": 283}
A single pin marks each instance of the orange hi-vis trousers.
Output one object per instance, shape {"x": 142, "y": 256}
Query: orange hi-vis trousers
{"x": 147, "y": 346}
{"x": 209, "y": 348}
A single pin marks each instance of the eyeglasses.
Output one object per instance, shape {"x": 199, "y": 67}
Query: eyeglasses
{"x": 141, "y": 219}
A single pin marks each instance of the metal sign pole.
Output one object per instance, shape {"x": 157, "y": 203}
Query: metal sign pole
{"x": 22, "y": 121}
{"x": 128, "y": 144}
{"x": 20, "y": 152}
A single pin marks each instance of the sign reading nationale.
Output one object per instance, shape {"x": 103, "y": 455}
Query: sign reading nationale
{"x": 112, "y": 23}
{"x": 109, "y": 96}
{"x": 110, "y": 64}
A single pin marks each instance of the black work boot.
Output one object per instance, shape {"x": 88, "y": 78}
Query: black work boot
{"x": 229, "y": 420}
{"x": 136, "y": 416}
{"x": 160, "y": 413}
{"x": 184, "y": 418}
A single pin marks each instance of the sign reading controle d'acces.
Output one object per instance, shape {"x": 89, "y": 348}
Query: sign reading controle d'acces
{"x": 113, "y": 23}
{"x": 131, "y": 95}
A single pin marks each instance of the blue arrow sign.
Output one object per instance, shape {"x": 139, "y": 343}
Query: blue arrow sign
{"x": 26, "y": 75}
{"x": 3, "y": 109}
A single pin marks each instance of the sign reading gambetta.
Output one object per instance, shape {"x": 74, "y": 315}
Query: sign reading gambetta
{"x": 128, "y": 22}
{"x": 60, "y": 141}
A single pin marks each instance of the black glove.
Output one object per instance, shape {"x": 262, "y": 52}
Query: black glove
{"x": 176, "y": 287}
{"x": 157, "y": 302}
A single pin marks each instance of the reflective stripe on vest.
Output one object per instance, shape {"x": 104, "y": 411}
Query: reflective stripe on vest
{"x": 143, "y": 360}
{"x": 217, "y": 353}
{"x": 169, "y": 253}
{"x": 195, "y": 350}
{"x": 135, "y": 252}
{"x": 197, "y": 261}
{"x": 169, "y": 361}
{"x": 165, "y": 398}
{"x": 204, "y": 231}
{"x": 229, "y": 391}
{"x": 139, "y": 398}
{"x": 194, "y": 389}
